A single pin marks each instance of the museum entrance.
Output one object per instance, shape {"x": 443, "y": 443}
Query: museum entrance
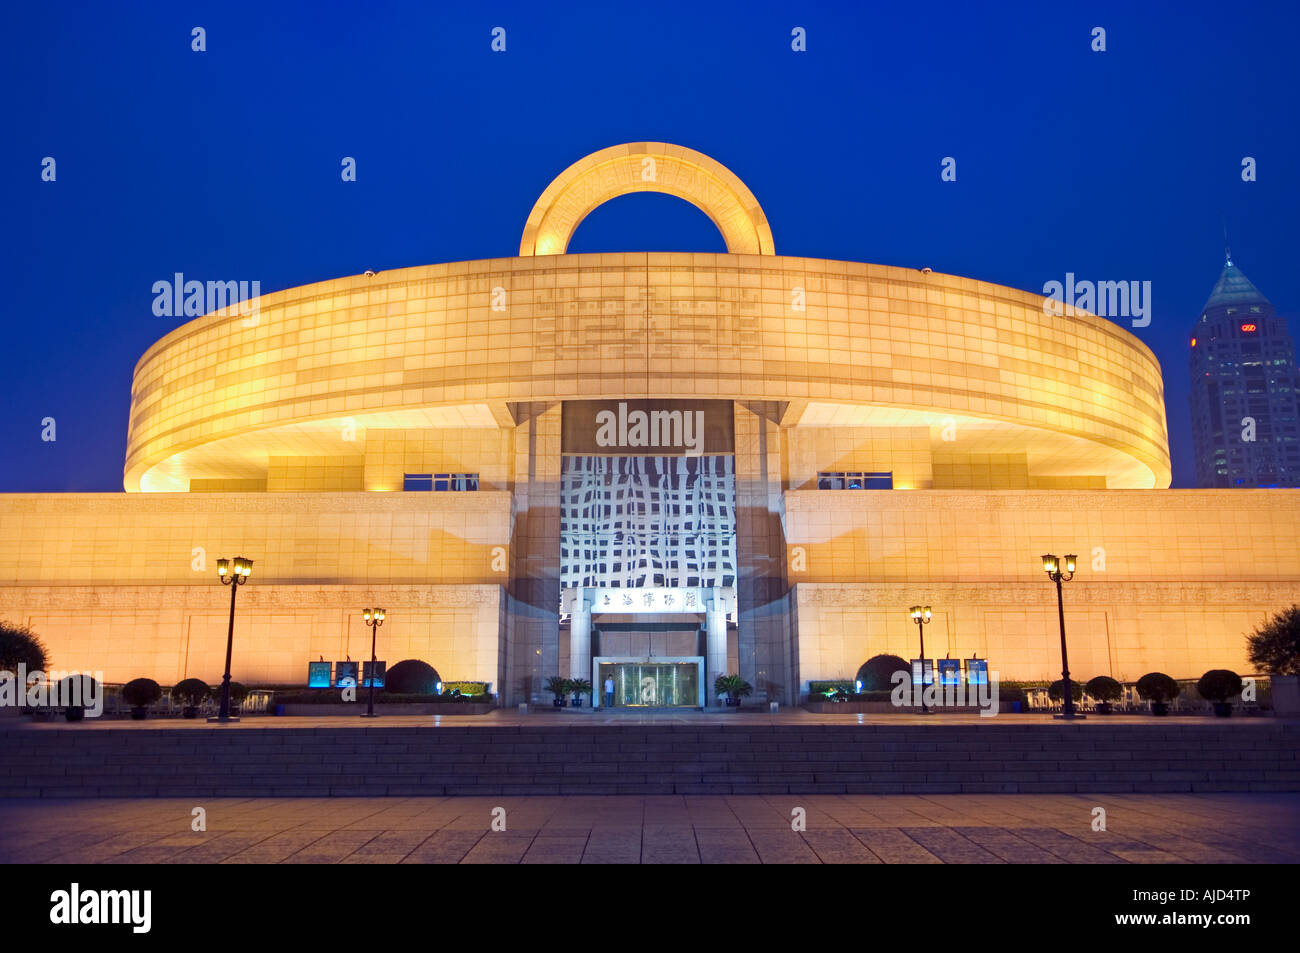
{"x": 652, "y": 682}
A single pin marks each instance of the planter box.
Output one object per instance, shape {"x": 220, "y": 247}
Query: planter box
{"x": 413, "y": 708}
{"x": 1286, "y": 695}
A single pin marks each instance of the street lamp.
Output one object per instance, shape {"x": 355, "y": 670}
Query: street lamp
{"x": 921, "y": 616}
{"x": 233, "y": 573}
{"x": 374, "y": 618}
{"x": 1059, "y": 573}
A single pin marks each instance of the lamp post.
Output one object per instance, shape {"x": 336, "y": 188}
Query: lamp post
{"x": 1059, "y": 571}
{"x": 374, "y": 618}
{"x": 233, "y": 573}
{"x": 921, "y": 616}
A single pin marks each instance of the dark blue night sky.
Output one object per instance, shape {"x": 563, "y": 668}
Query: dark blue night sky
{"x": 225, "y": 164}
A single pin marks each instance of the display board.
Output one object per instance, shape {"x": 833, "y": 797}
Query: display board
{"x": 922, "y": 671}
{"x": 378, "y": 673}
{"x": 949, "y": 671}
{"x": 345, "y": 674}
{"x": 318, "y": 674}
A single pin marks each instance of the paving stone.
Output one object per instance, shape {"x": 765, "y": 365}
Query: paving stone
{"x": 838, "y": 847}
{"x": 950, "y": 846}
{"x": 551, "y": 848}
{"x": 500, "y": 847}
{"x": 894, "y": 847}
{"x": 1008, "y": 845}
{"x": 276, "y": 848}
{"x": 332, "y": 848}
{"x": 613, "y": 845}
{"x": 725, "y": 846}
{"x": 1068, "y": 848}
{"x": 781, "y": 847}
{"x": 445, "y": 847}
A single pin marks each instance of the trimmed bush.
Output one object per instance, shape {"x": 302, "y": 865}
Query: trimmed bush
{"x": 141, "y": 692}
{"x": 1157, "y": 687}
{"x": 1104, "y": 688}
{"x": 1218, "y": 685}
{"x": 1056, "y": 690}
{"x": 877, "y": 673}
{"x": 192, "y": 691}
{"x": 81, "y": 688}
{"x": 412, "y": 677}
{"x": 1275, "y": 646}
{"x": 19, "y": 645}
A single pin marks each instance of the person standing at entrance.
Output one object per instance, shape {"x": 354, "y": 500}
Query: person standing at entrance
{"x": 609, "y": 691}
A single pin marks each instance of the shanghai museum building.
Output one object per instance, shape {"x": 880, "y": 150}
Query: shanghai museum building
{"x": 655, "y": 467}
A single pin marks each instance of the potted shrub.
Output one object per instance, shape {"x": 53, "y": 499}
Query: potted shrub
{"x": 733, "y": 688}
{"x": 68, "y": 688}
{"x": 558, "y": 686}
{"x": 1106, "y": 690}
{"x": 1217, "y": 686}
{"x": 877, "y": 672}
{"x": 411, "y": 677}
{"x": 190, "y": 693}
{"x": 1159, "y": 689}
{"x": 1274, "y": 648}
{"x": 140, "y": 693}
{"x": 1056, "y": 691}
{"x": 579, "y": 687}
{"x": 238, "y": 693}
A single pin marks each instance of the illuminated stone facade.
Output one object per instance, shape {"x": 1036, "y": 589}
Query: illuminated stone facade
{"x": 289, "y": 434}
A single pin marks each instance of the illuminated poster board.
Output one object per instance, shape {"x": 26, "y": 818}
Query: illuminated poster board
{"x": 977, "y": 671}
{"x": 318, "y": 674}
{"x": 949, "y": 671}
{"x": 378, "y": 673}
{"x": 345, "y": 673}
{"x": 922, "y": 671}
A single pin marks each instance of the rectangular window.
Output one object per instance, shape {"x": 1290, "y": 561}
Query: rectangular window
{"x": 440, "y": 481}
{"x": 867, "y": 480}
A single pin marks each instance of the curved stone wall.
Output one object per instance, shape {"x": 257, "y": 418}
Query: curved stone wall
{"x": 463, "y": 340}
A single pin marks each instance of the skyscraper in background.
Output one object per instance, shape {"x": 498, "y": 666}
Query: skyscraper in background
{"x": 1245, "y": 392}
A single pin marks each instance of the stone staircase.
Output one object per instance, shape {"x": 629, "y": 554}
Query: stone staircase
{"x": 571, "y": 758}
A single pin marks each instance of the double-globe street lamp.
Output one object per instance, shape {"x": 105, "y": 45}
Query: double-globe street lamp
{"x": 233, "y": 576}
{"x": 921, "y": 616}
{"x": 1061, "y": 570}
{"x": 374, "y": 618}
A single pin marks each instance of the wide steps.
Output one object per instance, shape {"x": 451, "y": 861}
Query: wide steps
{"x": 251, "y": 761}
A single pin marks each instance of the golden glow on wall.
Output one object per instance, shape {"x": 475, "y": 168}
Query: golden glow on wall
{"x": 346, "y": 384}
{"x": 422, "y": 348}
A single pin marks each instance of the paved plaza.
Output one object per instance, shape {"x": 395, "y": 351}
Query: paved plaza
{"x": 935, "y": 829}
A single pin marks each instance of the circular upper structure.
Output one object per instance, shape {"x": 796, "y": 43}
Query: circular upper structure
{"x": 950, "y": 363}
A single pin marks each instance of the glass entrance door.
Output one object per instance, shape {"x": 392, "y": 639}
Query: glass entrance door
{"x": 653, "y": 684}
